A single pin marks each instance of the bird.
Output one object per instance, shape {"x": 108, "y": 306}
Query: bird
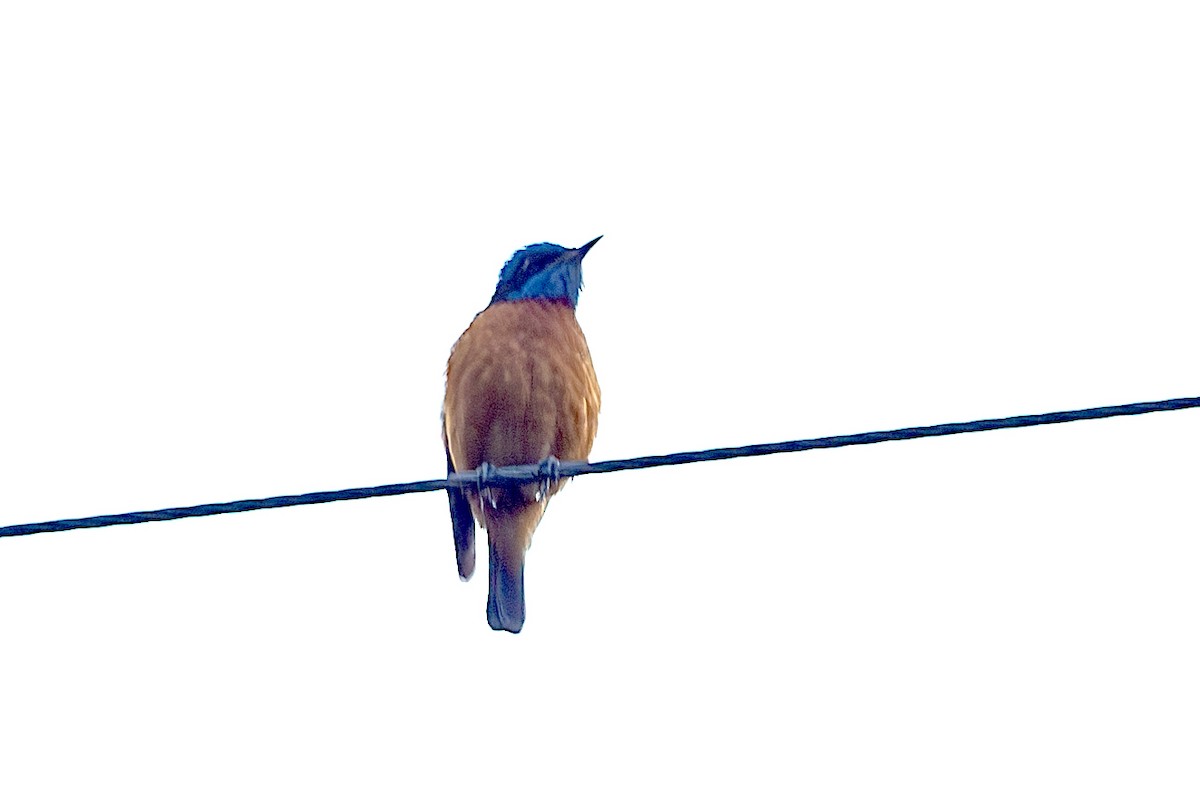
{"x": 520, "y": 389}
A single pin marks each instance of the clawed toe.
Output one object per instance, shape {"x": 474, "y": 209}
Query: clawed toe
{"x": 548, "y": 471}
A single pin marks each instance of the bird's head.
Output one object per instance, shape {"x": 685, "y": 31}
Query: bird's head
{"x": 543, "y": 272}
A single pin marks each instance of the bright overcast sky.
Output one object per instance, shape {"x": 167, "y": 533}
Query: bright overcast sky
{"x": 239, "y": 239}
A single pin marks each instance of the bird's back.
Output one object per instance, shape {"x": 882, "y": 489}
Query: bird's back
{"x": 520, "y": 387}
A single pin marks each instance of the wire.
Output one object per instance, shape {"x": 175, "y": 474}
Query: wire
{"x": 527, "y": 473}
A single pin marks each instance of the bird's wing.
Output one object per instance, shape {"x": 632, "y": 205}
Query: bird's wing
{"x": 464, "y": 525}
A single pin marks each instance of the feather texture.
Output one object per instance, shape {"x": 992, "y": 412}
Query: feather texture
{"x": 520, "y": 388}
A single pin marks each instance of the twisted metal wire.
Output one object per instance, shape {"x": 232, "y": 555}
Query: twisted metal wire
{"x": 527, "y": 473}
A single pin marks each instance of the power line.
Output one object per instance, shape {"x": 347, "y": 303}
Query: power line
{"x": 526, "y": 473}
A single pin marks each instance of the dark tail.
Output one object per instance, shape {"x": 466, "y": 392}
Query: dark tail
{"x": 464, "y": 526}
{"x": 508, "y": 537}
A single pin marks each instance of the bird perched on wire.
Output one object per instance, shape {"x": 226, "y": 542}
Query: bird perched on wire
{"x": 520, "y": 389}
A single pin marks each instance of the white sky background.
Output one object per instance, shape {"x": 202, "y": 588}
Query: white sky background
{"x": 239, "y": 240}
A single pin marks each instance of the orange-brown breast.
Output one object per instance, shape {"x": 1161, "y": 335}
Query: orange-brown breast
{"x": 520, "y": 387}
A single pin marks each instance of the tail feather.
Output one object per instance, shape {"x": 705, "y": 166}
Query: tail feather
{"x": 509, "y": 532}
{"x": 506, "y": 591}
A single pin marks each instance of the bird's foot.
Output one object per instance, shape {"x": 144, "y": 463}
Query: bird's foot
{"x": 548, "y": 472}
{"x": 487, "y": 493}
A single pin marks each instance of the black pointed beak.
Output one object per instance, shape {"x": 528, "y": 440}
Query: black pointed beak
{"x": 583, "y": 250}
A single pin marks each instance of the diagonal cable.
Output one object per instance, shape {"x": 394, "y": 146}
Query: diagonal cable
{"x": 526, "y": 473}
